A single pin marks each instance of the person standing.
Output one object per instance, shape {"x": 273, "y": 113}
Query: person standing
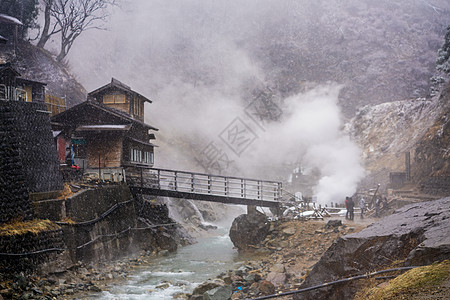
{"x": 377, "y": 207}
{"x": 346, "y": 207}
{"x": 351, "y": 206}
{"x": 362, "y": 205}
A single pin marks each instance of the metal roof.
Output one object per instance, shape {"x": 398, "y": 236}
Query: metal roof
{"x": 111, "y": 127}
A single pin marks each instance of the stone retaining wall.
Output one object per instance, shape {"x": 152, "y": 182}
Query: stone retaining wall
{"x": 14, "y": 201}
{"x": 27, "y": 244}
{"x": 28, "y": 157}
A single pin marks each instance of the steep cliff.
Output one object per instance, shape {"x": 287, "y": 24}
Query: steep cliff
{"x": 386, "y": 131}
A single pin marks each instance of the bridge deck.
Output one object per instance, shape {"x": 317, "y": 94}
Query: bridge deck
{"x": 206, "y": 187}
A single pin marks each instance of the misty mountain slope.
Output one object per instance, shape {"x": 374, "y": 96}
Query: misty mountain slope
{"x": 36, "y": 64}
{"x": 386, "y": 131}
{"x": 381, "y": 51}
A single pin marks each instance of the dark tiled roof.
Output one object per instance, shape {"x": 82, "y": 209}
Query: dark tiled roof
{"x": 59, "y": 117}
{"x": 119, "y": 85}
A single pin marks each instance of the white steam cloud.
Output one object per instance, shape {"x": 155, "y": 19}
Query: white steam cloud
{"x": 310, "y": 133}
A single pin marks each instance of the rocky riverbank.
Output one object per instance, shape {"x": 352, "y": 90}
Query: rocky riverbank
{"x": 280, "y": 262}
{"x": 73, "y": 283}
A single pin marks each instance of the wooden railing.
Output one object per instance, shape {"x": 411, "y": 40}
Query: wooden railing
{"x": 206, "y": 184}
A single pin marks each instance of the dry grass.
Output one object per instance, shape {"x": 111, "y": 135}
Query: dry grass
{"x": 21, "y": 227}
{"x": 67, "y": 192}
{"x": 413, "y": 282}
{"x": 68, "y": 221}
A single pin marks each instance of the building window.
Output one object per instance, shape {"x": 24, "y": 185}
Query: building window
{"x": 139, "y": 156}
{"x": 136, "y": 155}
{"x": 148, "y": 157}
{"x": 114, "y": 99}
{"x": 137, "y": 108}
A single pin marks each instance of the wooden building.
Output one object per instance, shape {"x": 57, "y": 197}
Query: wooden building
{"x": 106, "y": 133}
{"x": 15, "y": 88}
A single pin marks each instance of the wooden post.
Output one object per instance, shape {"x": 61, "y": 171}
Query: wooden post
{"x": 242, "y": 188}
{"x": 192, "y": 182}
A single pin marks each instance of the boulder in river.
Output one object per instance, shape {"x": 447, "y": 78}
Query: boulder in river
{"x": 249, "y": 229}
{"x": 417, "y": 234}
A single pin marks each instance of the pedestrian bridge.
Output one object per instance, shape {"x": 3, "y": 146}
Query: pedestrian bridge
{"x": 206, "y": 187}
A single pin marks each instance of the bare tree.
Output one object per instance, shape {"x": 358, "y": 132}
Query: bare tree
{"x": 70, "y": 18}
{"x": 46, "y": 33}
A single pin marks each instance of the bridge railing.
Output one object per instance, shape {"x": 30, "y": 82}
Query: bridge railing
{"x": 217, "y": 185}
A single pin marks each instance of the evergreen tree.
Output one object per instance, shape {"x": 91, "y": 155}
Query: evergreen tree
{"x": 443, "y": 60}
{"x": 25, "y": 11}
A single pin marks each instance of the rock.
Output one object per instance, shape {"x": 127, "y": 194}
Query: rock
{"x": 276, "y": 278}
{"x": 266, "y": 287}
{"x": 227, "y": 279}
{"x": 207, "y": 227}
{"x": 416, "y": 233}
{"x": 219, "y": 293}
{"x": 163, "y": 286}
{"x": 252, "y": 278}
{"x": 95, "y": 289}
{"x": 179, "y": 295}
{"x": 249, "y": 229}
{"x": 333, "y": 224}
{"x": 289, "y": 231}
{"x": 206, "y": 286}
{"x": 278, "y": 268}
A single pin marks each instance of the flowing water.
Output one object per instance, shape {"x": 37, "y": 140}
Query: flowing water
{"x": 178, "y": 272}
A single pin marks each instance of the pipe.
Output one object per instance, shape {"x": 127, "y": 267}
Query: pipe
{"x": 367, "y": 275}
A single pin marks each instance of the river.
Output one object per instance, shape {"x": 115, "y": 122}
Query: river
{"x": 178, "y": 272}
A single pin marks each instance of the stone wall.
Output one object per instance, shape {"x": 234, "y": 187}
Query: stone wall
{"x": 30, "y": 246}
{"x": 14, "y": 200}
{"x": 28, "y": 158}
{"x": 30, "y": 125}
{"x": 104, "y": 218}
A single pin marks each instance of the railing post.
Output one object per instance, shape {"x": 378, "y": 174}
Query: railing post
{"x": 209, "y": 184}
{"x": 257, "y": 188}
{"x": 280, "y": 190}
{"x": 242, "y": 188}
{"x": 159, "y": 179}
{"x": 262, "y": 190}
{"x": 192, "y": 182}
{"x": 226, "y": 186}
{"x": 275, "y": 193}
{"x": 245, "y": 188}
{"x": 175, "y": 179}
